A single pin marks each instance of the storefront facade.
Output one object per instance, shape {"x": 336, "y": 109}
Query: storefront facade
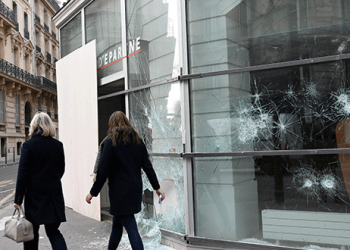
{"x": 244, "y": 107}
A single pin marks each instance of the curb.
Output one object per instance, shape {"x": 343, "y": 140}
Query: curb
{"x": 9, "y": 165}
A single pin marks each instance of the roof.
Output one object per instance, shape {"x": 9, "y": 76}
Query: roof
{"x": 64, "y": 4}
{"x": 55, "y": 5}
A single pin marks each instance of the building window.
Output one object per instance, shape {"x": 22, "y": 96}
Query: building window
{"x": 2, "y": 107}
{"x": 36, "y": 105}
{"x": 71, "y": 36}
{"x": 26, "y": 31}
{"x": 15, "y": 54}
{"x": 17, "y": 110}
{"x": 14, "y": 7}
{"x": 19, "y": 144}
{"x": 3, "y": 147}
{"x": 27, "y": 110}
{"x": 1, "y": 48}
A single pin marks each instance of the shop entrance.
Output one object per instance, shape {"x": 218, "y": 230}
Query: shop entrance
{"x": 107, "y": 104}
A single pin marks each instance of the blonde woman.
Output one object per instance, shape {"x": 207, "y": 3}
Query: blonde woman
{"x": 41, "y": 168}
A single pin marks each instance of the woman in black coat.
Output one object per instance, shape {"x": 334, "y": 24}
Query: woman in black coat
{"x": 123, "y": 157}
{"x": 41, "y": 168}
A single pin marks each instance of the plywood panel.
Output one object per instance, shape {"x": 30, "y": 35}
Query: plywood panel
{"x": 78, "y": 125}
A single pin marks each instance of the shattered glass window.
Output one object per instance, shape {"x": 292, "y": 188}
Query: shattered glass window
{"x": 242, "y": 33}
{"x": 155, "y": 27}
{"x": 304, "y": 107}
{"x": 295, "y": 200}
{"x": 156, "y": 115}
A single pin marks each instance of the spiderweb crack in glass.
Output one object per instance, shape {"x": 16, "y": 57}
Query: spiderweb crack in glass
{"x": 314, "y": 183}
{"x": 155, "y": 113}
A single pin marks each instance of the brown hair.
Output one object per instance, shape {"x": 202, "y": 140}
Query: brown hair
{"x": 120, "y": 126}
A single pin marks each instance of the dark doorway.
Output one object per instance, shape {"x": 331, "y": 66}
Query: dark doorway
{"x": 106, "y": 106}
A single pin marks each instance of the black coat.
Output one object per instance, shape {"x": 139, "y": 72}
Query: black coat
{"x": 41, "y": 168}
{"x": 122, "y": 165}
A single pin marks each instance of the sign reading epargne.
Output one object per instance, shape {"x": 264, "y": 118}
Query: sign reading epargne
{"x": 113, "y": 55}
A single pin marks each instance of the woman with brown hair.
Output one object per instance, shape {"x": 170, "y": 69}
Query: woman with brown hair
{"x": 123, "y": 157}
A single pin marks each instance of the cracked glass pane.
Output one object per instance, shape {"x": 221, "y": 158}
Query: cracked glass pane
{"x": 304, "y": 107}
{"x": 156, "y": 114}
{"x": 296, "y": 201}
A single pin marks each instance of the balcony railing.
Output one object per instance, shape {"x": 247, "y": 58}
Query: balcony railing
{"x": 53, "y": 34}
{"x": 26, "y": 33}
{"x": 8, "y": 13}
{"x": 18, "y": 73}
{"x": 48, "y": 57}
{"x": 48, "y": 84}
{"x": 38, "y": 48}
{"x": 37, "y": 18}
{"x": 46, "y": 27}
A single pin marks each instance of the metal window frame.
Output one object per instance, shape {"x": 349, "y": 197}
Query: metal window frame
{"x": 184, "y": 80}
{"x": 268, "y": 66}
{"x": 186, "y": 127}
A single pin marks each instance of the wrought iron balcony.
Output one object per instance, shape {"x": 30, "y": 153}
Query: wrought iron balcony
{"x": 38, "y": 48}
{"x": 46, "y": 27}
{"x": 18, "y": 73}
{"x": 8, "y": 13}
{"x": 37, "y": 18}
{"x": 53, "y": 34}
{"x": 48, "y": 84}
{"x": 26, "y": 33}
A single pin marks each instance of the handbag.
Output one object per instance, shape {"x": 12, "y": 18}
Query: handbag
{"x": 18, "y": 228}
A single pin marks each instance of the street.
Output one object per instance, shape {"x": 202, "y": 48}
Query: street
{"x": 80, "y": 232}
{"x": 8, "y": 177}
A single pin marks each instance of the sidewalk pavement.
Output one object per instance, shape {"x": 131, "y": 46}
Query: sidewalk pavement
{"x": 80, "y": 232}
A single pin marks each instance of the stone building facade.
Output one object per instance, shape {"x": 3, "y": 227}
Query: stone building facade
{"x": 28, "y": 52}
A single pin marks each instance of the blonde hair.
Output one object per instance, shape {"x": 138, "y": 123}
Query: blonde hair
{"x": 43, "y": 121}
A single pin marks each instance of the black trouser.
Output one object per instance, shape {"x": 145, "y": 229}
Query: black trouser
{"x": 56, "y": 238}
{"x": 129, "y": 222}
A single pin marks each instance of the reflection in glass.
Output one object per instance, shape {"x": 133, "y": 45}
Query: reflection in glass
{"x": 156, "y": 115}
{"x": 103, "y": 23}
{"x": 156, "y": 26}
{"x": 295, "y": 108}
{"x": 264, "y": 199}
{"x": 71, "y": 36}
{"x": 241, "y": 33}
